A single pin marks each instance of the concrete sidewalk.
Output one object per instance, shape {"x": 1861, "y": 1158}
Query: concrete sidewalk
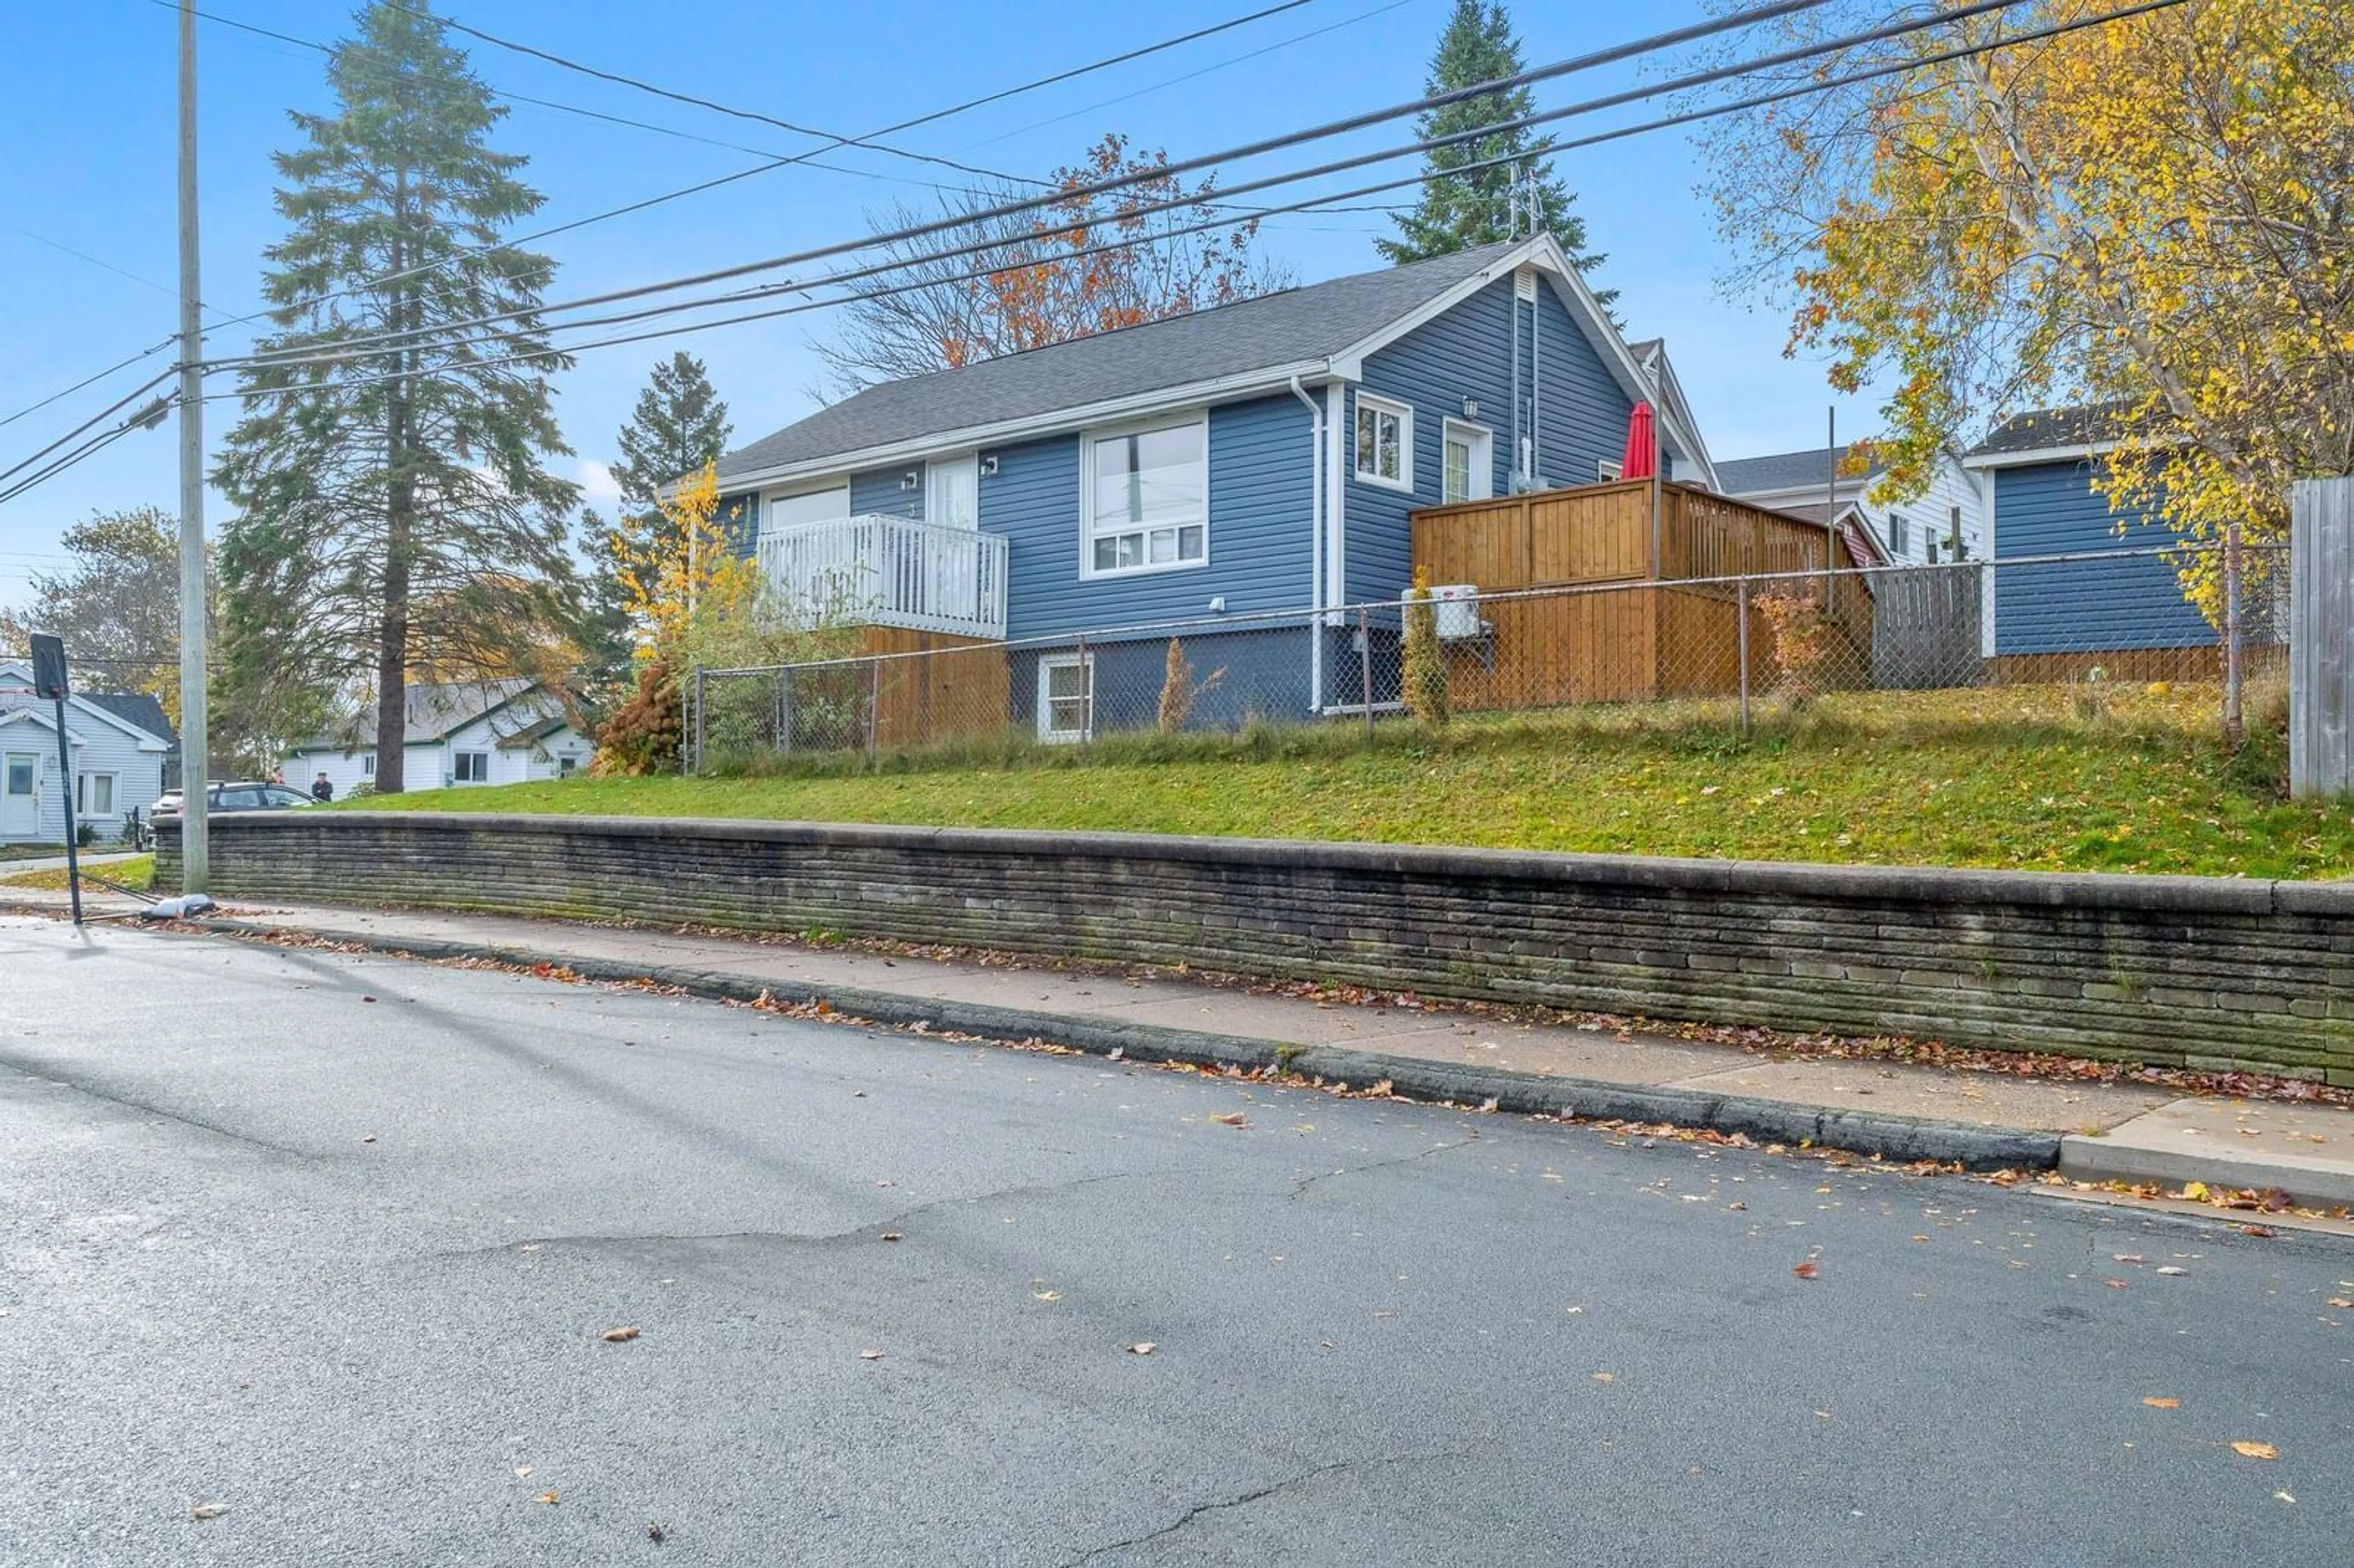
{"x": 2090, "y": 1131}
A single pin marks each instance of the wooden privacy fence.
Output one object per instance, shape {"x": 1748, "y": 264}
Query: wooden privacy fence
{"x": 1638, "y": 641}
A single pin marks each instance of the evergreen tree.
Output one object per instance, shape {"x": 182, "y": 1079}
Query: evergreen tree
{"x": 1461, "y": 210}
{"x": 679, "y": 425}
{"x": 396, "y": 512}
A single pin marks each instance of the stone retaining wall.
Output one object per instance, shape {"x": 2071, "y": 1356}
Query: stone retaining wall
{"x": 2180, "y": 970}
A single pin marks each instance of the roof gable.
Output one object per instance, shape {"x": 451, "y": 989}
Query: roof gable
{"x": 1776, "y": 472}
{"x": 2076, "y": 431}
{"x": 1321, "y": 328}
{"x": 19, "y": 671}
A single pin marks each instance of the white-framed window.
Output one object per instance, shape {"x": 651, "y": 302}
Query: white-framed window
{"x": 473, "y": 767}
{"x": 1144, "y": 498}
{"x": 567, "y": 766}
{"x": 24, "y": 774}
{"x": 1385, "y": 442}
{"x": 1067, "y": 696}
{"x": 1468, "y": 451}
{"x": 1608, "y": 472}
{"x": 94, "y": 794}
{"x": 1899, "y": 534}
{"x": 368, "y": 764}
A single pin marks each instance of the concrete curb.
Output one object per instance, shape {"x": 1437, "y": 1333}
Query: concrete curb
{"x": 1896, "y": 1137}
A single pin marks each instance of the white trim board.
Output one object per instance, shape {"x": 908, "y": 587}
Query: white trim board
{"x": 2036, "y": 456}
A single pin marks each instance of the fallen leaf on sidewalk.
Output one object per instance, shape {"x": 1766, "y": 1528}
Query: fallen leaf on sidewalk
{"x": 208, "y": 1510}
{"x": 1605, "y": 1377}
{"x": 546, "y": 1497}
{"x": 2157, "y": 1403}
{"x": 1231, "y": 1118}
{"x": 1142, "y": 1347}
{"x": 522, "y": 1470}
{"x": 2194, "y": 1191}
{"x": 2256, "y": 1450}
{"x": 1807, "y": 1270}
{"x": 619, "y": 1336}
{"x": 893, "y": 1235}
{"x": 870, "y": 1355}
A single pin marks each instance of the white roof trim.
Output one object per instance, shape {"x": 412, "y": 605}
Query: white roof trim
{"x": 17, "y": 670}
{"x": 965, "y": 438}
{"x": 35, "y": 716}
{"x": 2034, "y": 455}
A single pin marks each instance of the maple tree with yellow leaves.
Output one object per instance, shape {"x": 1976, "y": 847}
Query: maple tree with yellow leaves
{"x": 2149, "y": 215}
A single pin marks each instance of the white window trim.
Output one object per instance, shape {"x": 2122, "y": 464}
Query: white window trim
{"x": 113, "y": 794}
{"x": 1088, "y": 570}
{"x": 368, "y": 764}
{"x": 1046, "y": 732}
{"x": 769, "y": 499}
{"x": 1373, "y": 402}
{"x": 1608, "y": 473}
{"x": 457, "y": 761}
{"x": 1482, "y": 439}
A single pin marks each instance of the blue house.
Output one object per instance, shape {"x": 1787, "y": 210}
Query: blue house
{"x": 1239, "y": 462}
{"x": 2129, "y": 616}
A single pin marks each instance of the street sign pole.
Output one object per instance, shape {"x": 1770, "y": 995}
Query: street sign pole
{"x": 50, "y": 676}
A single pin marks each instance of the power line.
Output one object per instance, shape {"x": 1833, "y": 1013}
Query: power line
{"x": 98, "y": 375}
{"x": 125, "y": 400}
{"x": 1616, "y": 133}
{"x": 350, "y": 348}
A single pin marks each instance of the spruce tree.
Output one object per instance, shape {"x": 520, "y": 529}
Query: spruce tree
{"x": 395, "y": 512}
{"x": 679, "y": 425}
{"x": 1459, "y": 210}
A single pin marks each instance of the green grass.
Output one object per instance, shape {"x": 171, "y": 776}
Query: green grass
{"x": 136, "y": 874}
{"x": 2012, "y": 777}
{"x": 29, "y": 851}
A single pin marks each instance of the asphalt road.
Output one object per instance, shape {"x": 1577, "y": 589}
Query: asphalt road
{"x": 330, "y": 1244}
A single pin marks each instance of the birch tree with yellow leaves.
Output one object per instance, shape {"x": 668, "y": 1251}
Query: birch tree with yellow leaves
{"x": 2149, "y": 213}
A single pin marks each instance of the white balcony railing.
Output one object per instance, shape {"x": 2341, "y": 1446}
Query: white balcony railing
{"x": 890, "y": 571}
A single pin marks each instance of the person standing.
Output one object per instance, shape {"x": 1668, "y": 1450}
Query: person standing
{"x": 322, "y": 789}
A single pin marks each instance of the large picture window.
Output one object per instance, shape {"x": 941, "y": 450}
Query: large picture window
{"x": 1145, "y": 499}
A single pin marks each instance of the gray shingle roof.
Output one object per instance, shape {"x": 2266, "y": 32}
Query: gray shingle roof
{"x": 433, "y": 712}
{"x": 134, "y": 708}
{"x": 1259, "y": 333}
{"x": 1784, "y": 471}
{"x": 2073, "y": 427}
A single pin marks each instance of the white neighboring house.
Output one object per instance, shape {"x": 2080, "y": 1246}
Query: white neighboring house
{"x": 1944, "y": 523}
{"x": 117, "y": 744}
{"x": 462, "y": 733}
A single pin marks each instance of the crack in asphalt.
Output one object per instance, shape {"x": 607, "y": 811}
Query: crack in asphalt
{"x": 1241, "y": 1501}
{"x": 1302, "y": 1184}
{"x": 814, "y": 1238}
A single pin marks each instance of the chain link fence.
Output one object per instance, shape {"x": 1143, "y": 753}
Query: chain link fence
{"x": 1710, "y": 650}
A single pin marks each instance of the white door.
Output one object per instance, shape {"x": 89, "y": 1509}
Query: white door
{"x": 1468, "y": 470}
{"x": 950, "y": 574}
{"x": 20, "y": 796}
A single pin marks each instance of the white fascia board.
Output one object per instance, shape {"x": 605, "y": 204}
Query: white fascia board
{"x": 40, "y": 720}
{"x": 1142, "y": 405}
{"x": 1847, "y": 490}
{"x": 2035, "y": 455}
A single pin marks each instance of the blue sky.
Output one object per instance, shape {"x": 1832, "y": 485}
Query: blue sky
{"x": 91, "y": 172}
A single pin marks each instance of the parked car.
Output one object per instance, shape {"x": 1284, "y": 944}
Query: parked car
{"x": 244, "y": 795}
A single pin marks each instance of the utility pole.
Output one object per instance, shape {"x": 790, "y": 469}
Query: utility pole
{"x": 195, "y": 859}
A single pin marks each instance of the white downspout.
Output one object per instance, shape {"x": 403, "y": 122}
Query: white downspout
{"x": 1315, "y": 548}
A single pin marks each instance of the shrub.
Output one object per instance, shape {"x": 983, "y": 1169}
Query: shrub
{"x": 84, "y": 835}
{"x": 1425, "y": 661}
{"x": 644, "y": 735}
{"x": 1180, "y": 690}
{"x": 362, "y": 790}
{"x": 1801, "y": 634}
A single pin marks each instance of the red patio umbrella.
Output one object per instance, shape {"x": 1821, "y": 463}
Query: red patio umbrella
{"x": 1642, "y": 446}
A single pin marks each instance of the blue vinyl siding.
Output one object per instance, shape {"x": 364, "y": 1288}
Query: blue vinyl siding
{"x": 1258, "y": 544}
{"x": 1582, "y": 411}
{"x": 878, "y": 492}
{"x": 1464, "y": 353}
{"x": 740, "y": 514}
{"x": 2092, "y": 606}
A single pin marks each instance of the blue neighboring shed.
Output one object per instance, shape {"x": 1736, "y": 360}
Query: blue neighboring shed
{"x": 1258, "y": 459}
{"x": 2036, "y": 475}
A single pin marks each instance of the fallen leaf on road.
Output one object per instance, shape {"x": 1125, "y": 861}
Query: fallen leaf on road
{"x": 619, "y": 1336}
{"x": 2125, "y": 1256}
{"x": 893, "y": 1235}
{"x": 2256, "y": 1450}
{"x": 870, "y": 1355}
{"x": 2265, "y": 1231}
{"x": 1825, "y": 1415}
{"x": 2118, "y": 1284}
{"x": 1047, "y": 1295}
{"x": 208, "y": 1510}
{"x": 369, "y": 1138}
{"x": 546, "y": 1497}
{"x": 1231, "y": 1118}
{"x": 367, "y": 999}
{"x": 2172, "y": 1268}
{"x": 2283, "y": 1497}
{"x": 1738, "y": 1207}
{"x": 2343, "y": 1303}
{"x": 1605, "y": 1377}
{"x": 1806, "y": 1270}
{"x": 2194, "y": 1191}
{"x": 1142, "y": 1347}
{"x": 2156, "y": 1402}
